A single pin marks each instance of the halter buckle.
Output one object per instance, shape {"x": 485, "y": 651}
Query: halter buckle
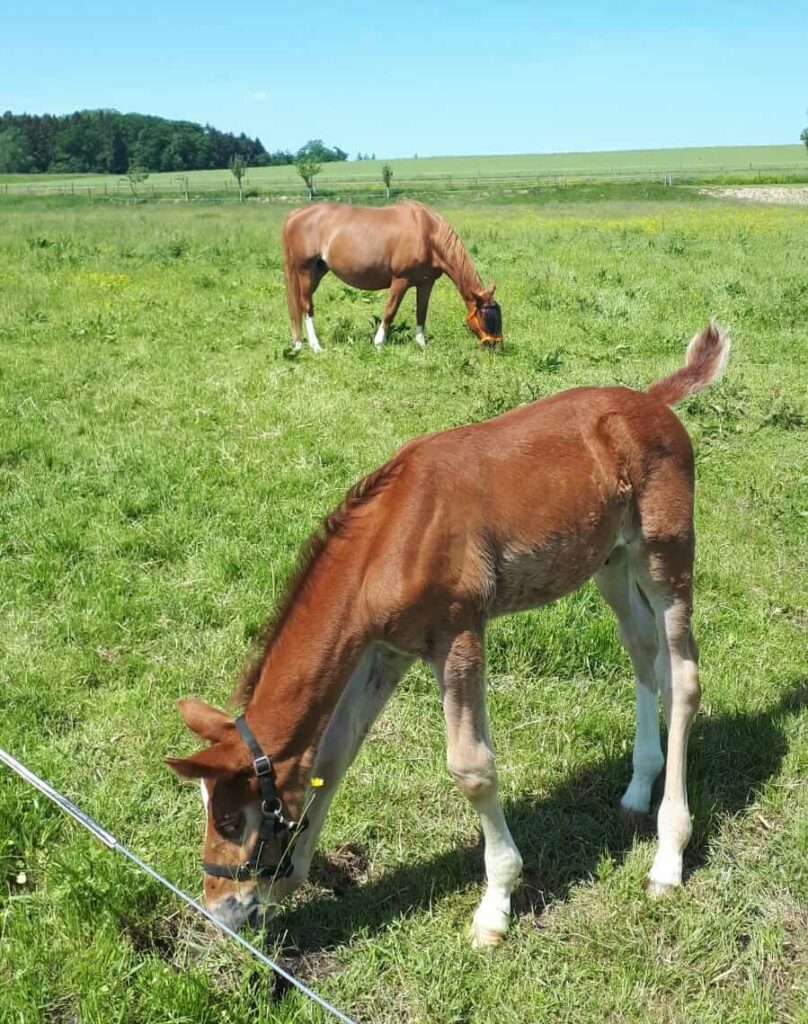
{"x": 267, "y": 811}
{"x": 262, "y": 765}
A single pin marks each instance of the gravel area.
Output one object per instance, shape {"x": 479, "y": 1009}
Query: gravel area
{"x": 793, "y": 195}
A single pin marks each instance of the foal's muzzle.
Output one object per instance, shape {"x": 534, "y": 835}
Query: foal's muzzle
{"x": 236, "y": 912}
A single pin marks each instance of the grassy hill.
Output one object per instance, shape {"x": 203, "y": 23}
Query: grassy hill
{"x": 712, "y": 163}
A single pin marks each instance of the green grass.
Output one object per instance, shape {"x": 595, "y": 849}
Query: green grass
{"x": 714, "y": 163}
{"x": 162, "y": 459}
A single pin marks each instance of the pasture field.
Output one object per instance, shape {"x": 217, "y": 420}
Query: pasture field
{"x": 449, "y": 173}
{"x": 161, "y": 460}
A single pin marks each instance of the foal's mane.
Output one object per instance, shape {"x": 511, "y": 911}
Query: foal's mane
{"x": 334, "y": 524}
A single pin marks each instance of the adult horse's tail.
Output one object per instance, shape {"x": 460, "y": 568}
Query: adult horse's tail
{"x": 290, "y": 276}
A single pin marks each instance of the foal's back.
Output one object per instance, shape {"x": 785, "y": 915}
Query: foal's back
{"x": 518, "y": 510}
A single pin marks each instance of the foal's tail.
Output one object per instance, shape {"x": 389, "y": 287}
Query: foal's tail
{"x": 705, "y": 360}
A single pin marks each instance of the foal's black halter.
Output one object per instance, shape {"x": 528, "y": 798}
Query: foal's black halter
{"x": 273, "y": 822}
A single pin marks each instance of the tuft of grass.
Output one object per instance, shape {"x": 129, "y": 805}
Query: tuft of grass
{"x": 162, "y": 458}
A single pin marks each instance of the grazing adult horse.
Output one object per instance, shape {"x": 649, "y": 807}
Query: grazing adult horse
{"x": 458, "y": 527}
{"x": 396, "y": 247}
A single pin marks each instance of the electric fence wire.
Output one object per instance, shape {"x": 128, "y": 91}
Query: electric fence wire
{"x": 112, "y": 843}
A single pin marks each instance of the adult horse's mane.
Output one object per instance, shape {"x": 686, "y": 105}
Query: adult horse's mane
{"x": 454, "y": 254}
{"x": 334, "y": 524}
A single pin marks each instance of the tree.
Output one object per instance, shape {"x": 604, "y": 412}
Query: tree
{"x": 13, "y": 155}
{"x": 804, "y": 137}
{"x": 105, "y": 141}
{"x": 387, "y": 177}
{"x": 135, "y": 175}
{"x": 308, "y": 167}
{"x": 118, "y": 151}
{"x": 238, "y": 168}
{"x": 317, "y": 149}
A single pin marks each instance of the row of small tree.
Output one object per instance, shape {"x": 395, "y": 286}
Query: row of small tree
{"x": 308, "y": 167}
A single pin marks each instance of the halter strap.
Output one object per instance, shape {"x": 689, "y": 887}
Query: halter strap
{"x": 262, "y": 764}
{"x": 273, "y": 821}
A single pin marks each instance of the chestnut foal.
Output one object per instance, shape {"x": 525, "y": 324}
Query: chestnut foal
{"x": 456, "y": 528}
{"x": 396, "y": 247}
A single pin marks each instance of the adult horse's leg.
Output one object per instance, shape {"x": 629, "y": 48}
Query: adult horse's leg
{"x": 421, "y": 304}
{"x": 639, "y": 636}
{"x": 461, "y": 673}
{"x": 293, "y": 302}
{"x": 309, "y": 277}
{"x": 397, "y": 289}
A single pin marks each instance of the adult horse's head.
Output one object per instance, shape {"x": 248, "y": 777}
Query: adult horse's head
{"x": 251, "y": 817}
{"x": 484, "y": 317}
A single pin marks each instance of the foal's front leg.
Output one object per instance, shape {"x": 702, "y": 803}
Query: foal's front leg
{"x": 461, "y": 673}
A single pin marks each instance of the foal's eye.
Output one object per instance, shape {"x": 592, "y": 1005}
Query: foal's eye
{"x": 231, "y": 824}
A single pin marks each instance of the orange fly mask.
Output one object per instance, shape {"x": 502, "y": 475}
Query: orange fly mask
{"x": 487, "y": 319}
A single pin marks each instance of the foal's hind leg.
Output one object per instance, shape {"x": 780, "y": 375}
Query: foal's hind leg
{"x": 667, "y": 582}
{"x": 639, "y": 636}
{"x": 461, "y": 671}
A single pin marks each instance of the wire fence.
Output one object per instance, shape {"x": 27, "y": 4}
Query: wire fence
{"x": 186, "y": 188}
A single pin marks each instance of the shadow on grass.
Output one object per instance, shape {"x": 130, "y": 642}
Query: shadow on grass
{"x": 561, "y": 836}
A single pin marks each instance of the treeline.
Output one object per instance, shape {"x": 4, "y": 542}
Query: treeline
{"x": 106, "y": 142}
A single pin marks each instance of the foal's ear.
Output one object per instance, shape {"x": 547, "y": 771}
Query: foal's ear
{"x": 208, "y": 723}
{"x": 216, "y": 762}
{"x": 490, "y": 293}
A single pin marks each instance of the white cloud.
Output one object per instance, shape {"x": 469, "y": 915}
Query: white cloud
{"x": 261, "y": 96}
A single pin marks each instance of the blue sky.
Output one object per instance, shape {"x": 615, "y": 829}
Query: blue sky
{"x": 506, "y": 76}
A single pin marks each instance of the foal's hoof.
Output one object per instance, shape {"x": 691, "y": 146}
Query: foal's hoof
{"x": 634, "y": 820}
{"x": 656, "y": 890}
{"x": 488, "y": 929}
{"x": 662, "y": 879}
{"x": 484, "y": 938}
